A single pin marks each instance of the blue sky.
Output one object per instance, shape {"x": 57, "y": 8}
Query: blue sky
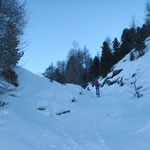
{"x": 55, "y": 24}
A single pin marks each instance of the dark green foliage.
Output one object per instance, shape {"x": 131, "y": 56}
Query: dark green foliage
{"x": 77, "y": 66}
{"x": 140, "y": 45}
{"x": 116, "y": 45}
{"x": 49, "y": 72}
{"x": 128, "y": 39}
{"x": 95, "y": 69}
{"x": 12, "y": 23}
{"x": 57, "y": 75}
{"x": 146, "y": 26}
{"x": 116, "y": 53}
{"x": 84, "y": 79}
{"x": 147, "y": 19}
{"x": 106, "y": 59}
{"x": 75, "y": 70}
{"x": 71, "y": 71}
{"x": 10, "y": 76}
{"x": 146, "y": 31}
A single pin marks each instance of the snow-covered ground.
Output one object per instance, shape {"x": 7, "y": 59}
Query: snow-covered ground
{"x": 115, "y": 121}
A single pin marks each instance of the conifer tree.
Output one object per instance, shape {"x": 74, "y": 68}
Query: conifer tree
{"x": 106, "y": 59}
{"x": 146, "y": 26}
{"x": 128, "y": 40}
{"x": 71, "y": 70}
{"x": 95, "y": 68}
{"x": 147, "y": 19}
{"x": 140, "y": 45}
{"x": 116, "y": 48}
{"x": 12, "y": 22}
{"x": 49, "y": 72}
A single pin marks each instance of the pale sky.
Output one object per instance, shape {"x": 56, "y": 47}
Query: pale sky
{"x": 55, "y": 24}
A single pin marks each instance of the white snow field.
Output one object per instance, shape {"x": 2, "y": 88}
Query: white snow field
{"x": 115, "y": 121}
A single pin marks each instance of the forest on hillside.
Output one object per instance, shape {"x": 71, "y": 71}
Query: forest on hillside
{"x": 79, "y": 68}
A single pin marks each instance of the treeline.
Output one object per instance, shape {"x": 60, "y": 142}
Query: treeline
{"x": 74, "y": 70}
{"x": 80, "y": 68}
{"x": 12, "y": 23}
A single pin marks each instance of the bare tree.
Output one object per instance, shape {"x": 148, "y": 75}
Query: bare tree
{"x": 135, "y": 88}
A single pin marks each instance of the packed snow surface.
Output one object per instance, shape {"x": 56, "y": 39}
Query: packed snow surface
{"x": 49, "y": 116}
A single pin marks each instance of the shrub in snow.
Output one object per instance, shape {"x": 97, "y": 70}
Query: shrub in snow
{"x": 12, "y": 23}
{"x": 135, "y": 89}
{"x": 10, "y": 76}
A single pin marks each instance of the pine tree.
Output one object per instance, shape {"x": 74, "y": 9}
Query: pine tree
{"x": 146, "y": 26}
{"x": 128, "y": 40}
{"x": 49, "y": 72}
{"x": 140, "y": 45}
{"x": 57, "y": 75}
{"x": 116, "y": 53}
{"x": 95, "y": 68}
{"x": 106, "y": 59}
{"x": 71, "y": 70}
{"x": 85, "y": 75}
{"x": 60, "y": 72}
{"x": 147, "y": 19}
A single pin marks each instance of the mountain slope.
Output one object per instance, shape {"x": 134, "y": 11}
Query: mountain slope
{"x": 49, "y": 116}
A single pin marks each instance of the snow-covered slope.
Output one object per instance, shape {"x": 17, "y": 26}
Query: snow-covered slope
{"x": 49, "y": 116}
{"x": 129, "y": 71}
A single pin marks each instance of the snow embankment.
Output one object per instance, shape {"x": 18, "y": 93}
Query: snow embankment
{"x": 50, "y": 116}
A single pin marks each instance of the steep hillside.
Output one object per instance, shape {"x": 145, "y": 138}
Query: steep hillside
{"x": 49, "y": 116}
{"x": 127, "y": 72}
